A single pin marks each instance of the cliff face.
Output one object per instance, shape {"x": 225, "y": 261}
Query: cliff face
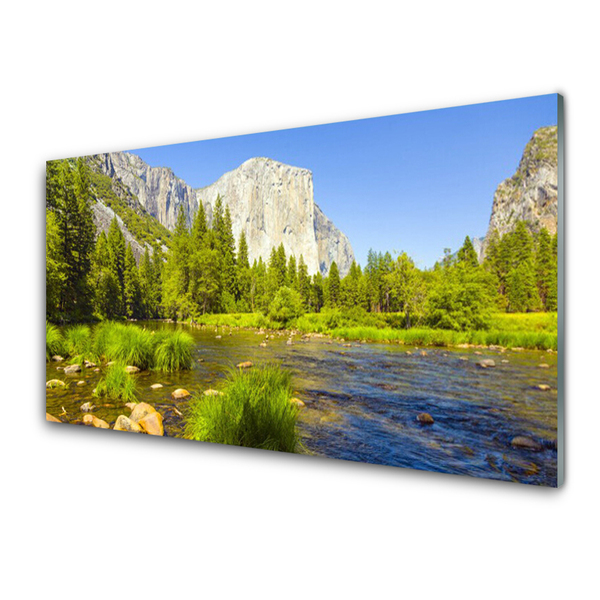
{"x": 531, "y": 193}
{"x": 271, "y": 202}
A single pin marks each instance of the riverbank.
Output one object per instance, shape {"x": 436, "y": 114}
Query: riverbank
{"x": 533, "y": 331}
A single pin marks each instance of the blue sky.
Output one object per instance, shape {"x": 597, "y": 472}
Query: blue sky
{"x": 417, "y": 182}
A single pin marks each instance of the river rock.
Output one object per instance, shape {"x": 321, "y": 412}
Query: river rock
{"x": 87, "y": 407}
{"x": 543, "y": 387}
{"x": 544, "y": 366}
{"x": 423, "y": 353}
{"x": 49, "y": 417}
{"x": 72, "y": 369}
{"x": 290, "y": 342}
{"x": 200, "y": 360}
{"x": 110, "y": 363}
{"x": 89, "y": 365}
{"x": 96, "y": 370}
{"x": 463, "y": 358}
{"x": 156, "y": 386}
{"x": 140, "y": 410}
{"x": 486, "y": 363}
{"x": 131, "y": 369}
{"x": 504, "y": 361}
{"x": 212, "y": 393}
{"x": 57, "y": 358}
{"x": 527, "y": 443}
{"x": 244, "y": 365}
{"x": 131, "y": 405}
{"x": 297, "y": 402}
{"x": 152, "y": 423}
{"x": 217, "y": 337}
{"x": 263, "y": 344}
{"x": 179, "y": 394}
{"x": 94, "y": 421}
{"x": 53, "y": 383}
{"x": 125, "y": 424}
{"x": 425, "y": 419}
{"x": 82, "y": 382}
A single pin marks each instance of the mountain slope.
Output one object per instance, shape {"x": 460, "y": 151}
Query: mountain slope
{"x": 271, "y": 202}
{"x": 531, "y": 194}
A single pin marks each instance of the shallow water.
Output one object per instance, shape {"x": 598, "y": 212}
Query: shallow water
{"x": 362, "y": 401}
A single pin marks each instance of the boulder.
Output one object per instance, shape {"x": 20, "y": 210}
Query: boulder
{"x": 87, "y": 407}
{"x": 72, "y": 369}
{"x": 156, "y": 386}
{"x": 82, "y": 382}
{"x": 527, "y": 443}
{"x": 152, "y": 423}
{"x": 423, "y": 353}
{"x": 244, "y": 365}
{"x": 486, "y": 363}
{"x": 52, "y": 419}
{"x": 140, "y": 411}
{"x": 131, "y": 405}
{"x": 180, "y": 393}
{"x": 131, "y": 369}
{"x": 543, "y": 387}
{"x": 94, "y": 421}
{"x": 425, "y": 419}
{"x": 125, "y": 424}
{"x": 53, "y": 383}
{"x": 57, "y": 358}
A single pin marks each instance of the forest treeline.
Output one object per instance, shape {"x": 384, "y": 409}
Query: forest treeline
{"x": 204, "y": 270}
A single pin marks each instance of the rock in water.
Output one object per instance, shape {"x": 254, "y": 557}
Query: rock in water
{"x": 180, "y": 393}
{"x": 543, "y": 387}
{"x": 156, "y": 386}
{"x": 522, "y": 441}
{"x": 131, "y": 369}
{"x": 94, "y": 421}
{"x": 72, "y": 369}
{"x": 57, "y": 358}
{"x": 49, "y": 417}
{"x": 212, "y": 393}
{"x": 297, "y": 402}
{"x": 152, "y": 424}
{"x": 244, "y": 365}
{"x": 125, "y": 424}
{"x": 141, "y": 410}
{"x": 87, "y": 407}
{"x": 271, "y": 202}
{"x": 425, "y": 419}
{"x": 53, "y": 383}
{"x": 486, "y": 363}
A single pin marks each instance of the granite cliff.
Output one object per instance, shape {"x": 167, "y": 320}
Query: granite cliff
{"x": 271, "y": 202}
{"x": 531, "y": 194}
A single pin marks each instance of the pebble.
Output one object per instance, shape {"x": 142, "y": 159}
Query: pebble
{"x": 425, "y": 419}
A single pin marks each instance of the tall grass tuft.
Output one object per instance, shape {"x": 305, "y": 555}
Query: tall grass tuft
{"x": 255, "y": 411}
{"x": 173, "y": 351}
{"x": 128, "y": 344}
{"x": 117, "y": 384}
{"x": 55, "y": 343}
{"x": 78, "y": 342}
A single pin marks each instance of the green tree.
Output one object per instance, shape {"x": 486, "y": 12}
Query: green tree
{"x": 132, "y": 289}
{"x": 286, "y": 305}
{"x": 334, "y": 285}
{"x": 407, "y": 288}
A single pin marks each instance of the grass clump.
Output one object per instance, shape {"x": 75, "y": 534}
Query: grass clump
{"x": 78, "y": 343}
{"x": 117, "y": 384}
{"x": 254, "y": 411}
{"x": 173, "y": 351}
{"x": 55, "y": 343}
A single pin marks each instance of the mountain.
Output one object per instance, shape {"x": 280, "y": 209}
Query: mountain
{"x": 271, "y": 202}
{"x": 531, "y": 194}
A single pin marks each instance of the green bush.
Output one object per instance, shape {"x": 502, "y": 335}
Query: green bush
{"x": 286, "y": 305}
{"x": 254, "y": 411}
{"x": 78, "y": 343}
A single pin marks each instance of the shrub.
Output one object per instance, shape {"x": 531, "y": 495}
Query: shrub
{"x": 286, "y": 305}
{"x": 78, "y": 342}
{"x": 255, "y": 411}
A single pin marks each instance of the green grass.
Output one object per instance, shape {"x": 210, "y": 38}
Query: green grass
{"x": 173, "y": 351}
{"x": 117, "y": 384}
{"x": 255, "y": 411}
{"x": 55, "y": 343}
{"x": 78, "y": 343}
{"x": 130, "y": 345}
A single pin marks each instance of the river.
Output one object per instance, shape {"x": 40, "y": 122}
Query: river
{"x": 362, "y": 400}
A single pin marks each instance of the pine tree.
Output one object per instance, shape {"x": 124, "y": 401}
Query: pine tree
{"x": 467, "y": 254}
{"x": 292, "y": 273}
{"x": 303, "y": 282}
{"x": 243, "y": 275}
{"x": 334, "y": 285}
{"x": 116, "y": 250}
{"x": 131, "y": 288}
{"x": 546, "y": 275}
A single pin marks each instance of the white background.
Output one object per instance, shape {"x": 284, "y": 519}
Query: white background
{"x": 86, "y": 514}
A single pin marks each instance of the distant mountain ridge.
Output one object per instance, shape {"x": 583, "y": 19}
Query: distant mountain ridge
{"x": 271, "y": 202}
